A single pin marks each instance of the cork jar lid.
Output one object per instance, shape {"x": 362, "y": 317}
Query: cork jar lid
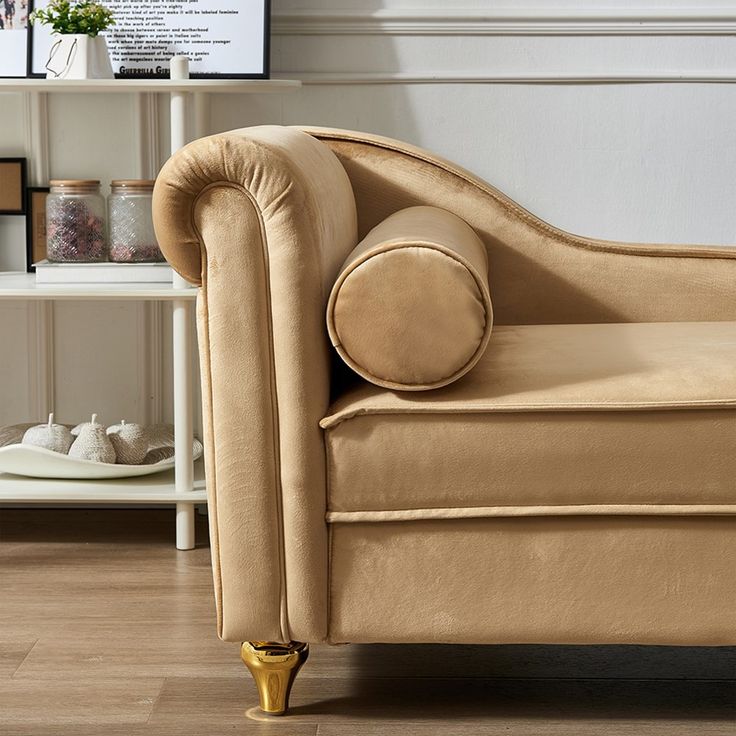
{"x": 74, "y": 182}
{"x": 132, "y": 183}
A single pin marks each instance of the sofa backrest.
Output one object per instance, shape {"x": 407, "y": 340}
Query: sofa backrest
{"x": 539, "y": 274}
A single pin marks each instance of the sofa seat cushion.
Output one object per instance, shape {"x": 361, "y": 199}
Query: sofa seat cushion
{"x": 554, "y": 419}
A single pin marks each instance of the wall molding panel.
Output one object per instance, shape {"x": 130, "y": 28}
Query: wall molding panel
{"x": 41, "y": 379}
{"x": 40, "y": 314}
{"x": 36, "y": 126}
{"x": 516, "y": 46}
{"x": 151, "y": 379}
{"x": 623, "y": 21}
{"x": 151, "y": 383}
{"x": 147, "y": 135}
{"x": 644, "y": 77}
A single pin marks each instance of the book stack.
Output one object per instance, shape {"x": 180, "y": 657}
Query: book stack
{"x": 103, "y": 273}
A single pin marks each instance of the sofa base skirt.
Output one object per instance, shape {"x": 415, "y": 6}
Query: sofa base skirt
{"x": 546, "y": 580}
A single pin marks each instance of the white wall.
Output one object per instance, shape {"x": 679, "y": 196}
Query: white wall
{"x": 615, "y": 123}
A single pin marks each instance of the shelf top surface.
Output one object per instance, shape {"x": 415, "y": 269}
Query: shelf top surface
{"x": 155, "y": 488}
{"x": 21, "y": 285}
{"x": 231, "y": 86}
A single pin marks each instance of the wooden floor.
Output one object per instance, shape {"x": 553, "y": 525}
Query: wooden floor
{"x": 107, "y": 630}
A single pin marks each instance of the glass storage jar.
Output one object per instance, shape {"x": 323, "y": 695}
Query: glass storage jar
{"x": 132, "y": 239}
{"x": 75, "y": 221}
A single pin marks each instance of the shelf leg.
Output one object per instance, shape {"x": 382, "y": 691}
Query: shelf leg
{"x": 179, "y": 104}
{"x": 185, "y": 526}
{"x": 183, "y": 420}
{"x": 201, "y": 114}
{"x": 182, "y": 319}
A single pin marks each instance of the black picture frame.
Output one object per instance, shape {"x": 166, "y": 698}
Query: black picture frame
{"x": 35, "y": 226}
{"x": 265, "y": 74}
{"x": 20, "y": 185}
{"x": 30, "y": 74}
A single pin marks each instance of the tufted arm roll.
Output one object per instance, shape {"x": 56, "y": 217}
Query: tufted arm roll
{"x": 262, "y": 218}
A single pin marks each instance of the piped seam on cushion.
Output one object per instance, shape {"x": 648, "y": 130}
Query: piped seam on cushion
{"x": 483, "y": 512}
{"x": 333, "y": 420}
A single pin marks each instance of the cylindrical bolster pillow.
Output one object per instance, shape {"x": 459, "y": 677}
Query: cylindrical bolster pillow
{"x": 410, "y": 309}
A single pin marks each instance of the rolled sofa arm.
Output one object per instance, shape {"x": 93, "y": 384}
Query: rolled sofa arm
{"x": 262, "y": 218}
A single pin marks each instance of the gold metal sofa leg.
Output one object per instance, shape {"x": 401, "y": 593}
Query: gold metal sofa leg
{"x": 274, "y": 668}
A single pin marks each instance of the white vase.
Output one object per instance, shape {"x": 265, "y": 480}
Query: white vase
{"x": 78, "y": 56}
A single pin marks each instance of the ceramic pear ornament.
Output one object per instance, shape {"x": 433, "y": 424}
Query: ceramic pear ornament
{"x": 130, "y": 442}
{"x": 51, "y": 436}
{"x": 92, "y": 444}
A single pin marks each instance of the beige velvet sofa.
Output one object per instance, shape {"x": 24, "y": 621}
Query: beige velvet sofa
{"x": 578, "y": 485}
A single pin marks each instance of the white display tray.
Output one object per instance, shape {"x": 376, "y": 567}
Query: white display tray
{"x": 103, "y": 273}
{"x": 38, "y": 462}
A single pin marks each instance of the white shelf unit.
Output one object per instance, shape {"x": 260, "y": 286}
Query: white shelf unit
{"x": 22, "y": 285}
{"x": 149, "y": 489}
{"x": 228, "y": 86}
{"x": 184, "y": 486}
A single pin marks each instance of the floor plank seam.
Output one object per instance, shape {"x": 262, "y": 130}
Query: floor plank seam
{"x": 156, "y": 700}
{"x": 25, "y": 657}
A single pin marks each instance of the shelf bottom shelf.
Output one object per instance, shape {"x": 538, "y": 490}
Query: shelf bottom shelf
{"x": 154, "y": 489}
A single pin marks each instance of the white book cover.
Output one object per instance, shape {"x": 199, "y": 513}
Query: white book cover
{"x": 103, "y": 273}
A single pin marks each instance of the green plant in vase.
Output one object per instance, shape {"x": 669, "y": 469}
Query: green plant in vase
{"x": 86, "y": 17}
{"x": 78, "y": 51}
